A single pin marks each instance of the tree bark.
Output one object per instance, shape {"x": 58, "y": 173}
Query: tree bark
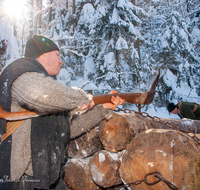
{"x": 67, "y": 6}
{"x": 31, "y": 25}
{"x": 139, "y": 123}
{"x": 174, "y": 154}
{"x": 51, "y": 12}
{"x": 104, "y": 169}
{"x": 73, "y": 12}
{"x": 133, "y": 1}
{"x": 39, "y": 18}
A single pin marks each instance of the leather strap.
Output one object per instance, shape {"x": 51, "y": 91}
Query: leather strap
{"x": 195, "y": 107}
{"x": 11, "y": 126}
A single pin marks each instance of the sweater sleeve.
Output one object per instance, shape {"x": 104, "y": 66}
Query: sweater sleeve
{"x": 42, "y": 93}
{"x": 86, "y": 121}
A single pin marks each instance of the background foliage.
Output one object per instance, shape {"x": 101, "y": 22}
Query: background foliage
{"x": 116, "y": 44}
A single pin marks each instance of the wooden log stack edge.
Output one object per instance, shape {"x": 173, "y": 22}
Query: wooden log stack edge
{"x": 122, "y": 150}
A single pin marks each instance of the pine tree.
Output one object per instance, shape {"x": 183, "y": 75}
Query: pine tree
{"x": 108, "y": 32}
{"x": 171, "y": 46}
{"x": 118, "y": 45}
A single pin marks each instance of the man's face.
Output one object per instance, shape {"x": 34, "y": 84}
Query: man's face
{"x": 175, "y": 111}
{"x": 53, "y": 62}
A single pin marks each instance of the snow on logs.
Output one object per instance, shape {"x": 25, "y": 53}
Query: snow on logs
{"x": 125, "y": 148}
{"x": 104, "y": 169}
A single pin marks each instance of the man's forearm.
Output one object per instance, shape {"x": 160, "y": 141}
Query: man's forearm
{"x": 84, "y": 122}
{"x": 46, "y": 94}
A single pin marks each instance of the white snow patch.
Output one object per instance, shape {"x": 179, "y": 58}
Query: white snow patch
{"x": 77, "y": 147}
{"x": 97, "y": 176}
{"x": 101, "y": 157}
{"x": 151, "y": 164}
{"x": 114, "y": 155}
{"x": 84, "y": 152}
{"x": 121, "y": 43}
{"x": 161, "y": 151}
{"x": 172, "y": 143}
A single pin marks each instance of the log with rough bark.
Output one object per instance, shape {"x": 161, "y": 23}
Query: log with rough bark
{"x": 77, "y": 175}
{"x": 174, "y": 154}
{"x": 86, "y": 145}
{"x": 140, "y": 123}
{"x": 117, "y": 132}
{"x": 104, "y": 169}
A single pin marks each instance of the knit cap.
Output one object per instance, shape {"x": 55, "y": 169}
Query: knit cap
{"x": 171, "y": 107}
{"x": 38, "y": 44}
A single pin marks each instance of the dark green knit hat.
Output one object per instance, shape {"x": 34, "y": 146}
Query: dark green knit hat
{"x": 38, "y": 44}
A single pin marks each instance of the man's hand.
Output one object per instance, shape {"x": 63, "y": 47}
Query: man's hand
{"x": 91, "y": 104}
{"x": 115, "y": 101}
{"x": 85, "y": 107}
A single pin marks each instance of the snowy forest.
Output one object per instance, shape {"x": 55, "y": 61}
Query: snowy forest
{"x": 116, "y": 44}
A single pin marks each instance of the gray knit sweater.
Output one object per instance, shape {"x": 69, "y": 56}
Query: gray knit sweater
{"x": 42, "y": 93}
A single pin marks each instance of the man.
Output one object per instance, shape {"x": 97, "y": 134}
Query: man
{"x": 185, "y": 110}
{"x": 33, "y": 157}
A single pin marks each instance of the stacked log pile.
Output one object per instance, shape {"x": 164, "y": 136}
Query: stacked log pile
{"x": 125, "y": 148}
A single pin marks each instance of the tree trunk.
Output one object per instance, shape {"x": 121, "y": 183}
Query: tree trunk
{"x": 139, "y": 123}
{"x": 51, "y": 12}
{"x": 104, "y": 169}
{"x": 39, "y": 19}
{"x": 133, "y": 1}
{"x": 86, "y": 145}
{"x": 67, "y": 6}
{"x": 77, "y": 175}
{"x": 174, "y": 154}
{"x": 31, "y": 25}
{"x": 74, "y": 19}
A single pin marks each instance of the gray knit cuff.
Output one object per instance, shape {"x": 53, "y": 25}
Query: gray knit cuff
{"x": 85, "y": 122}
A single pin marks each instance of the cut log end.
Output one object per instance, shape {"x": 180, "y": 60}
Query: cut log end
{"x": 104, "y": 170}
{"x": 86, "y": 145}
{"x": 77, "y": 175}
{"x": 115, "y": 134}
{"x": 172, "y": 153}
